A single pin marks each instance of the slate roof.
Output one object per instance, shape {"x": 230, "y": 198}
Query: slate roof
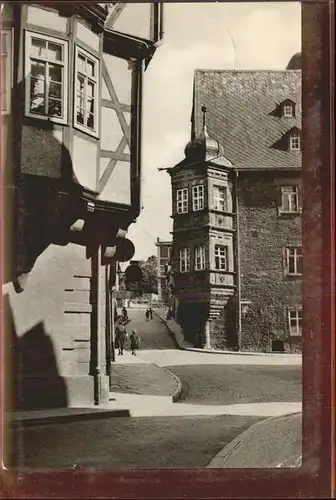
{"x": 242, "y": 115}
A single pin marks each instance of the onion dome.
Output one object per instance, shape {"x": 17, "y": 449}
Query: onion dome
{"x": 204, "y": 147}
{"x": 295, "y": 62}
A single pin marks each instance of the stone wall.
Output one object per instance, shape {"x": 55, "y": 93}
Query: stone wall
{"x": 266, "y": 291}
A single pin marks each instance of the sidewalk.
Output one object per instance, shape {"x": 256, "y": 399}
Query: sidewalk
{"x": 137, "y": 387}
{"x": 274, "y": 442}
{"x": 178, "y": 336}
{"x": 131, "y": 374}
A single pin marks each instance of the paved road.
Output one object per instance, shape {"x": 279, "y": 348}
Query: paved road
{"x": 166, "y": 442}
{"x": 221, "y": 384}
{"x": 127, "y": 442}
{"x": 153, "y": 333}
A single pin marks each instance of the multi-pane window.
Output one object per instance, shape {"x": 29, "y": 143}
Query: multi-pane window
{"x": 294, "y": 260}
{"x": 86, "y": 98}
{"x": 221, "y": 257}
{"x": 294, "y": 140}
{"x": 184, "y": 260}
{"x": 289, "y": 199}
{"x": 220, "y": 197}
{"x": 198, "y": 197}
{"x": 295, "y": 322}
{"x": 6, "y": 70}
{"x": 199, "y": 258}
{"x": 182, "y": 201}
{"x": 46, "y": 77}
{"x": 288, "y": 110}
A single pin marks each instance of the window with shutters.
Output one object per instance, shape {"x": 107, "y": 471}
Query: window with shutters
{"x": 46, "y": 71}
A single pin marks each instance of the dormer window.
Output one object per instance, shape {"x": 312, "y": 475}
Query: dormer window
{"x": 288, "y": 109}
{"x": 294, "y": 140}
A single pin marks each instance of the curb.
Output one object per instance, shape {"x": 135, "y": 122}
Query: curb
{"x": 66, "y": 418}
{"x": 176, "y": 392}
{"x": 173, "y": 335}
{"x": 218, "y": 461}
{"x": 176, "y": 395}
{"x": 214, "y": 351}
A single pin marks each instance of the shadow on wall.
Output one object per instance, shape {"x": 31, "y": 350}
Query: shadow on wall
{"x": 43, "y": 197}
{"x": 46, "y": 201}
{"x": 192, "y": 317}
{"x": 32, "y": 380}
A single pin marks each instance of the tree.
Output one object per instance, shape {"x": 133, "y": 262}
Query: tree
{"x": 150, "y": 275}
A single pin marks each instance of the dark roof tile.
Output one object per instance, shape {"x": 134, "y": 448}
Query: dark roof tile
{"x": 241, "y": 114}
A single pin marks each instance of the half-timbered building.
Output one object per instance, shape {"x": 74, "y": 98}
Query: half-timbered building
{"x": 71, "y": 106}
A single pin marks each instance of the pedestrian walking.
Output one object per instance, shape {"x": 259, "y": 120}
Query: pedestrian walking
{"x": 150, "y": 313}
{"x": 135, "y": 342}
{"x": 120, "y": 336}
{"x": 124, "y": 316}
{"x": 147, "y": 314}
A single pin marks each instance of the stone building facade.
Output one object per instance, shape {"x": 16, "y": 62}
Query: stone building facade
{"x": 237, "y": 255}
{"x": 163, "y": 259}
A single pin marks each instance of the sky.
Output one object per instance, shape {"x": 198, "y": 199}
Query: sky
{"x": 218, "y": 35}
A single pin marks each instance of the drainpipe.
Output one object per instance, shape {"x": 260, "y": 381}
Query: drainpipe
{"x": 113, "y": 276}
{"x": 207, "y": 335}
{"x": 95, "y": 327}
{"x": 238, "y": 262}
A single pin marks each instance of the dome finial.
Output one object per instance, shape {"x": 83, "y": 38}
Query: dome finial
{"x": 204, "y": 132}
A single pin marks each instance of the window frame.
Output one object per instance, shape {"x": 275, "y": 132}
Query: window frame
{"x": 295, "y": 136}
{"x": 9, "y": 70}
{"x": 184, "y": 257}
{"x": 288, "y": 106}
{"x": 162, "y": 270}
{"x": 183, "y": 203}
{"x": 290, "y": 191}
{"x": 199, "y": 259}
{"x": 196, "y": 197}
{"x": 296, "y": 256}
{"x": 220, "y": 257}
{"x": 96, "y": 79}
{"x": 298, "y": 318}
{"x": 29, "y": 35}
{"x": 216, "y": 199}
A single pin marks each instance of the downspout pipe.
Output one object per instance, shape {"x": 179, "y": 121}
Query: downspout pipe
{"x": 238, "y": 262}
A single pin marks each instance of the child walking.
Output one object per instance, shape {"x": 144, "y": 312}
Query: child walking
{"x": 135, "y": 342}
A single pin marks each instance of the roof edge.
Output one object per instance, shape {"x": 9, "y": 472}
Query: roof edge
{"x": 214, "y": 70}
